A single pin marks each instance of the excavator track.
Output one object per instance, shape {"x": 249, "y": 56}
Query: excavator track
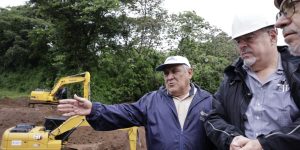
{"x": 32, "y": 103}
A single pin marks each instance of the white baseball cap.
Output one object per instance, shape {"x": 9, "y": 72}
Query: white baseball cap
{"x": 172, "y": 60}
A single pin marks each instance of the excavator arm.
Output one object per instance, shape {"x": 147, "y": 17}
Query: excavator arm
{"x": 68, "y": 126}
{"x": 48, "y": 97}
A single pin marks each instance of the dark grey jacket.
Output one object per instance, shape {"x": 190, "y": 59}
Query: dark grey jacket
{"x": 226, "y": 120}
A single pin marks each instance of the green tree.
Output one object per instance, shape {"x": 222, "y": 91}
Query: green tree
{"x": 18, "y": 48}
{"x": 145, "y": 21}
{"x": 126, "y": 75}
{"x": 77, "y": 26}
{"x": 119, "y": 42}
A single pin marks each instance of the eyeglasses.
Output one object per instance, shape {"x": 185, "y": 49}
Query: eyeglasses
{"x": 287, "y": 9}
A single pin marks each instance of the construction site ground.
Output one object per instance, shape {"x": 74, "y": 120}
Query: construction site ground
{"x": 15, "y": 111}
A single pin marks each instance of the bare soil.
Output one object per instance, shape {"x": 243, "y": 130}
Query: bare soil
{"x": 13, "y": 112}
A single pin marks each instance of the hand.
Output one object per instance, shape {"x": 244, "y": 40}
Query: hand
{"x": 238, "y": 142}
{"x": 252, "y": 145}
{"x": 76, "y": 106}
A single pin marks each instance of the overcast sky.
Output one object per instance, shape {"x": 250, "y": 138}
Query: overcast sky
{"x": 217, "y": 12}
{"x": 220, "y": 13}
{"x": 5, "y": 3}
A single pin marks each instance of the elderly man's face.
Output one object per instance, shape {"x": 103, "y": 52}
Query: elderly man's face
{"x": 256, "y": 46}
{"x": 289, "y": 21}
{"x": 177, "y": 79}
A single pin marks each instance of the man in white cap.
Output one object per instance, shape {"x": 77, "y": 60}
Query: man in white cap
{"x": 257, "y": 105}
{"x": 288, "y": 20}
{"x": 171, "y": 115}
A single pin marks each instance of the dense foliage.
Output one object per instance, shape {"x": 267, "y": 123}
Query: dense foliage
{"x": 119, "y": 42}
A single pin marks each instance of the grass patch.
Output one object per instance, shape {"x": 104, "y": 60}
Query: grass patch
{"x": 12, "y": 94}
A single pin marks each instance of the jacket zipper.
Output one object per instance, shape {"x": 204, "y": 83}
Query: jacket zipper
{"x": 228, "y": 134}
{"x": 180, "y": 139}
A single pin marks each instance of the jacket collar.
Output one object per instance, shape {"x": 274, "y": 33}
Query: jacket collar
{"x": 199, "y": 96}
{"x": 235, "y": 69}
{"x": 164, "y": 90}
{"x": 290, "y": 62}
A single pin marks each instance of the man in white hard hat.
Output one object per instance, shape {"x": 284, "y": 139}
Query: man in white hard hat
{"x": 257, "y": 105}
{"x": 170, "y": 115}
{"x": 288, "y": 19}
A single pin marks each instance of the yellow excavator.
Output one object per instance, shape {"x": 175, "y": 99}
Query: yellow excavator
{"x": 56, "y": 130}
{"x": 40, "y": 96}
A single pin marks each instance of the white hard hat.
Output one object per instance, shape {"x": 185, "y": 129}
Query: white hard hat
{"x": 244, "y": 23}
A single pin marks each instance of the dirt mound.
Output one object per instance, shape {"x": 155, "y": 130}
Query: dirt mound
{"x": 8, "y": 102}
{"x": 17, "y": 111}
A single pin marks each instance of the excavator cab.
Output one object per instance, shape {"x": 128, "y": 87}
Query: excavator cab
{"x": 62, "y": 93}
{"x": 53, "y": 122}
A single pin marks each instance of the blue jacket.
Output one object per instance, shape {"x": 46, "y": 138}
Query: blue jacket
{"x": 157, "y": 113}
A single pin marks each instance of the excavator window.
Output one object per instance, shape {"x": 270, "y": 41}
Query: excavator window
{"x": 62, "y": 93}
